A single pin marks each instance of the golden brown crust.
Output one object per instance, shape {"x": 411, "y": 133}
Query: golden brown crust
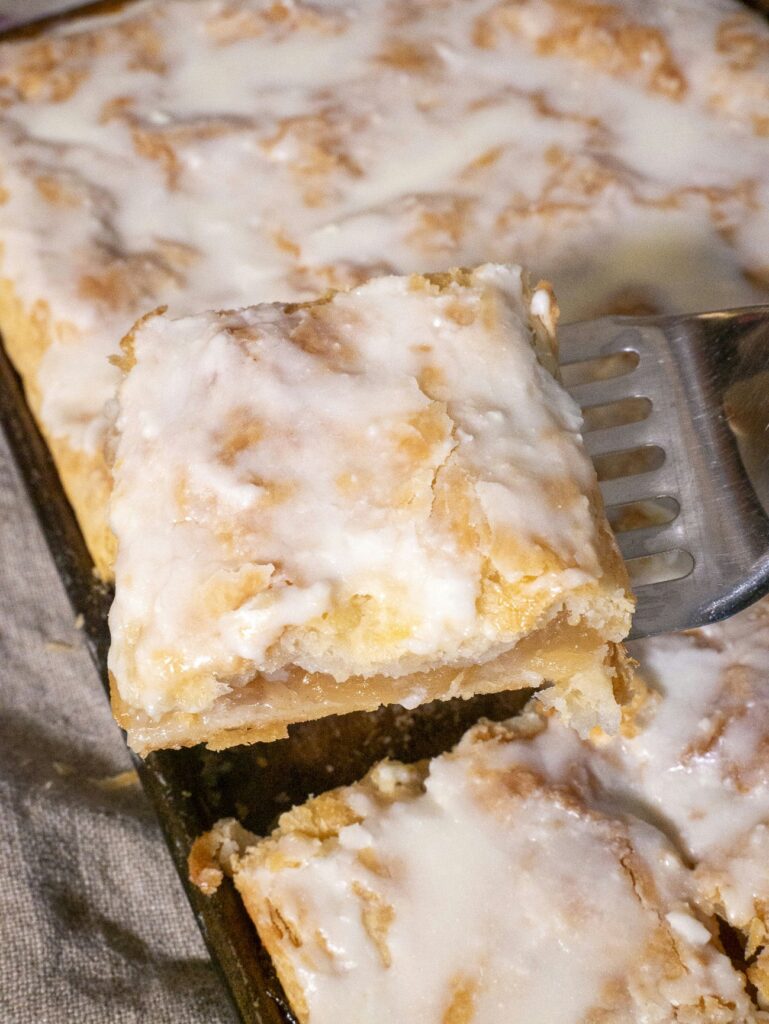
{"x": 661, "y": 978}
{"x": 758, "y": 975}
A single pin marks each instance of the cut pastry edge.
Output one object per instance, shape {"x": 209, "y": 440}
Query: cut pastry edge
{"x": 28, "y": 332}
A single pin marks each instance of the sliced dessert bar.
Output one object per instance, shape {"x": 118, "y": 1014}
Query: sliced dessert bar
{"x": 378, "y": 497}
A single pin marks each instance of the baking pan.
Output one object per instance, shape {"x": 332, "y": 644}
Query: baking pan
{"x": 191, "y": 788}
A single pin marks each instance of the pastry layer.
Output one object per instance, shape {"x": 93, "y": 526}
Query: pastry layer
{"x": 209, "y": 155}
{"x": 383, "y": 491}
{"x": 699, "y": 764}
{"x": 486, "y": 886}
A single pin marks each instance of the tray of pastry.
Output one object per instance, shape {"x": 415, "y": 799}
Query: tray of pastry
{"x": 162, "y": 194}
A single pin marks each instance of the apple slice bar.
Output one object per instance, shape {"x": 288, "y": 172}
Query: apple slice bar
{"x": 378, "y": 497}
{"x": 481, "y": 888}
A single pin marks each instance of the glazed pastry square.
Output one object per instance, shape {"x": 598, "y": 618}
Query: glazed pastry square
{"x": 378, "y": 497}
{"x": 205, "y": 154}
{"x": 481, "y": 888}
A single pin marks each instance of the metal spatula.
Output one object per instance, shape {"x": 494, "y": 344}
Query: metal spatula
{"x": 677, "y": 423}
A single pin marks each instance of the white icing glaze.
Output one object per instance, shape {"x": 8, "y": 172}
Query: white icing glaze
{"x": 292, "y": 149}
{"x": 498, "y": 894}
{"x": 298, "y": 455}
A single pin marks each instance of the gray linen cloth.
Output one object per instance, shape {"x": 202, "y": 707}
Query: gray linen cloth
{"x": 94, "y": 923}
